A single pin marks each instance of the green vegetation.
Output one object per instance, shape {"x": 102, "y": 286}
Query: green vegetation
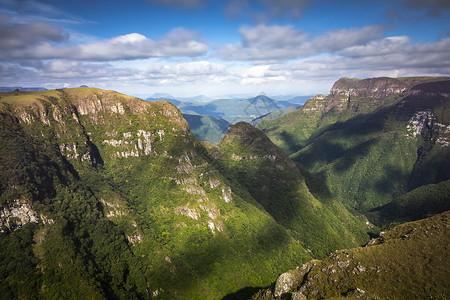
{"x": 207, "y": 128}
{"x": 128, "y": 204}
{"x": 305, "y": 207}
{"x": 420, "y": 203}
{"x": 371, "y": 140}
{"x": 409, "y": 261}
{"x": 275, "y": 114}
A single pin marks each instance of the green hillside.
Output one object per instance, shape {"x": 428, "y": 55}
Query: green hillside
{"x": 409, "y": 261}
{"x": 288, "y": 192}
{"x": 207, "y": 128}
{"x": 420, "y": 203}
{"x": 103, "y": 195}
{"x": 371, "y": 140}
{"x": 275, "y": 114}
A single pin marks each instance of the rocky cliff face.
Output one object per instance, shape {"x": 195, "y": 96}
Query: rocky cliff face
{"x": 347, "y": 93}
{"x": 373, "y": 139}
{"x": 109, "y": 196}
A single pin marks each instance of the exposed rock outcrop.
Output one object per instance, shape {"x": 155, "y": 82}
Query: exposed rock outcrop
{"x": 391, "y": 266}
{"x": 17, "y": 214}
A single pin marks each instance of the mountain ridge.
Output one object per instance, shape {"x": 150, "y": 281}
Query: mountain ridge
{"x": 113, "y": 196}
{"x": 387, "y": 139}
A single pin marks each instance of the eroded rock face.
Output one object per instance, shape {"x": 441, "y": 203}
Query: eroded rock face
{"x": 291, "y": 279}
{"x": 372, "y": 87}
{"x": 16, "y": 214}
{"x": 344, "y": 92}
{"x": 285, "y": 283}
{"x": 315, "y": 105}
{"x": 423, "y": 124}
{"x": 185, "y": 210}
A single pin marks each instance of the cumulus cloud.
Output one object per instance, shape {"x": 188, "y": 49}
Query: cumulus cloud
{"x": 399, "y": 58}
{"x": 178, "y": 42}
{"x": 16, "y": 36}
{"x": 280, "y": 43}
{"x": 38, "y": 40}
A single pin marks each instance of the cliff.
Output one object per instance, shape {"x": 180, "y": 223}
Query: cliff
{"x": 103, "y": 195}
{"x": 348, "y": 98}
{"x": 371, "y": 140}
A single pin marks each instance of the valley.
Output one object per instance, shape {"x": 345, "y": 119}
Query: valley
{"x": 105, "y": 196}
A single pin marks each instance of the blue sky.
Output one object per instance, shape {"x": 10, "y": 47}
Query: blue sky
{"x": 219, "y": 47}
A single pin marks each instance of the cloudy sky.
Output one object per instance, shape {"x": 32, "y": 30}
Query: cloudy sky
{"x": 219, "y": 47}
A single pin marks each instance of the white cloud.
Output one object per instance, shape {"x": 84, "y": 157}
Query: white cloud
{"x": 17, "y": 36}
{"x": 39, "y": 40}
{"x": 395, "y": 44}
{"x": 280, "y": 43}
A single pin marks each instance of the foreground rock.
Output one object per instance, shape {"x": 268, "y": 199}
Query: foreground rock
{"x": 409, "y": 261}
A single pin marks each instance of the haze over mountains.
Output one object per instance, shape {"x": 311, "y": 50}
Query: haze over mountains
{"x": 210, "y": 120}
{"x": 104, "y": 195}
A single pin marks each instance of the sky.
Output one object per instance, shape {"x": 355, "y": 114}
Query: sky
{"x": 219, "y": 48}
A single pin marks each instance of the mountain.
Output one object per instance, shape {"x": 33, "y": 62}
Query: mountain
{"x": 234, "y": 111}
{"x": 4, "y": 89}
{"x": 207, "y": 128}
{"x": 409, "y": 261}
{"x": 299, "y": 100}
{"x": 294, "y": 198}
{"x": 422, "y": 202}
{"x": 171, "y": 100}
{"x": 209, "y": 121}
{"x": 198, "y": 98}
{"x": 371, "y": 140}
{"x": 161, "y": 96}
{"x": 104, "y": 195}
{"x": 166, "y": 97}
{"x": 275, "y": 114}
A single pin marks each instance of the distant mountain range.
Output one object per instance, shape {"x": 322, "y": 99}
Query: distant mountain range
{"x": 202, "y": 98}
{"x": 222, "y": 111}
{"x": 23, "y": 89}
{"x": 107, "y": 196}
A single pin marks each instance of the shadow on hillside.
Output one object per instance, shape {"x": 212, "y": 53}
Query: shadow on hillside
{"x": 243, "y": 294}
{"x": 207, "y": 109}
{"x": 251, "y": 248}
{"x": 366, "y": 148}
{"x": 288, "y": 139}
{"x": 228, "y": 262}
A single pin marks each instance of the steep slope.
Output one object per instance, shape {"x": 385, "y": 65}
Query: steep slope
{"x": 409, "y": 261}
{"x": 349, "y": 97}
{"x": 372, "y": 140}
{"x": 207, "y": 128}
{"x": 103, "y": 195}
{"x": 420, "y": 203}
{"x": 108, "y": 196}
{"x": 275, "y": 114}
{"x": 292, "y": 196}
